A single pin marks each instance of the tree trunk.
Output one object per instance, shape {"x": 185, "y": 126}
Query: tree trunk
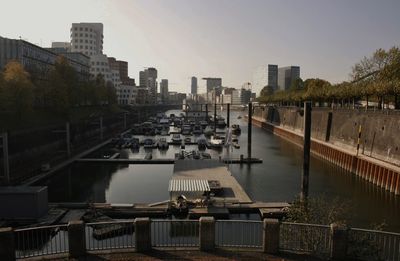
{"x": 366, "y": 107}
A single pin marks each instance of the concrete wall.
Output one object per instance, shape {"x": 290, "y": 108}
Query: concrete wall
{"x": 379, "y": 136}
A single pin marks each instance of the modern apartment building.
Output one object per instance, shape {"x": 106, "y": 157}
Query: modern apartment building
{"x": 212, "y": 83}
{"x": 148, "y": 79}
{"x": 286, "y": 75}
{"x": 99, "y": 65}
{"x": 87, "y": 38}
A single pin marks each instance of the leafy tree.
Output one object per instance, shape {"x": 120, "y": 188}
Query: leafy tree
{"x": 111, "y": 94}
{"x": 18, "y": 89}
{"x": 267, "y": 91}
{"x": 296, "y": 85}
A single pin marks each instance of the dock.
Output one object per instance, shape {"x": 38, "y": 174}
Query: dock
{"x": 212, "y": 170}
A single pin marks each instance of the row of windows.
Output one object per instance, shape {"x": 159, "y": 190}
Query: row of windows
{"x": 125, "y": 96}
{"x": 87, "y": 47}
{"x": 98, "y": 70}
{"x": 100, "y": 63}
{"x": 84, "y": 35}
{"x": 82, "y": 29}
{"x": 86, "y": 41}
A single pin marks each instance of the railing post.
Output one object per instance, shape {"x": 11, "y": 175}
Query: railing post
{"x": 76, "y": 239}
{"x": 338, "y": 242}
{"x": 271, "y": 235}
{"x": 7, "y": 244}
{"x": 142, "y": 234}
{"x": 207, "y": 233}
{"x": 6, "y": 165}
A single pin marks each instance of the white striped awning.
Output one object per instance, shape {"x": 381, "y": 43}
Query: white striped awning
{"x": 189, "y": 185}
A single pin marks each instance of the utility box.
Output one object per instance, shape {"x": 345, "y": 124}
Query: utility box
{"x": 20, "y": 203}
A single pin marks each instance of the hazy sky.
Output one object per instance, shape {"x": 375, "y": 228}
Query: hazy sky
{"x": 218, "y": 38}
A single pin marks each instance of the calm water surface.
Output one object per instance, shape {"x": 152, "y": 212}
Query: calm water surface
{"x": 276, "y": 179}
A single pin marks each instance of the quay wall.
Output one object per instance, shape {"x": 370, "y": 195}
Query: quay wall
{"x": 334, "y": 137}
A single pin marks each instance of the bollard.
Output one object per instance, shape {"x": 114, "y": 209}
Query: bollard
{"x": 207, "y": 233}
{"x": 142, "y": 234}
{"x": 76, "y": 239}
{"x": 7, "y": 244}
{"x": 270, "y": 235}
{"x": 338, "y": 242}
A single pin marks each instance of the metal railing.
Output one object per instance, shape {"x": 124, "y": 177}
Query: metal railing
{"x": 305, "y": 238}
{"x": 373, "y": 245}
{"x": 110, "y": 235}
{"x": 312, "y": 239}
{"x": 238, "y": 233}
{"x": 40, "y": 241}
{"x": 175, "y": 233}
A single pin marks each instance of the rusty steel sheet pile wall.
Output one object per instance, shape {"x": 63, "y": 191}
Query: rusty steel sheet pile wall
{"x": 335, "y": 136}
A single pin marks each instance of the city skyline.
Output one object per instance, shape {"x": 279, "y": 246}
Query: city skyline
{"x": 202, "y": 41}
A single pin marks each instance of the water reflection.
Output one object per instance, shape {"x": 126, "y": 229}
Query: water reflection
{"x": 276, "y": 179}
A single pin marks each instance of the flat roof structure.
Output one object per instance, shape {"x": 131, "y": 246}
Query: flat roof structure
{"x": 212, "y": 170}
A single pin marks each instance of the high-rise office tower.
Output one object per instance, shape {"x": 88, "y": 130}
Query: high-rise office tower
{"x": 164, "y": 90}
{"x": 286, "y": 75}
{"x": 265, "y": 75}
{"x": 193, "y": 86}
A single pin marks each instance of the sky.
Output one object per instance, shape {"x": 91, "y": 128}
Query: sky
{"x": 217, "y": 38}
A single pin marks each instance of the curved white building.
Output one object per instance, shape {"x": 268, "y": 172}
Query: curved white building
{"x": 87, "y": 38}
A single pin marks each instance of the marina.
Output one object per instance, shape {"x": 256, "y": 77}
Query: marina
{"x": 126, "y": 180}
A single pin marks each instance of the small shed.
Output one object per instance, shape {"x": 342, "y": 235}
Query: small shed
{"x": 191, "y": 188}
{"x": 22, "y": 202}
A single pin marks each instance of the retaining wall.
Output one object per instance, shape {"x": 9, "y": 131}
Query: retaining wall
{"x": 334, "y": 138}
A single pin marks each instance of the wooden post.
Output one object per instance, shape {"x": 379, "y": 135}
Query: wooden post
{"x": 206, "y": 112}
{"x": 249, "y": 132}
{"x": 5, "y": 158}
{"x": 228, "y": 108}
{"x": 306, "y": 151}
{"x": 215, "y": 117}
{"x": 101, "y": 128}
{"x": 68, "y": 138}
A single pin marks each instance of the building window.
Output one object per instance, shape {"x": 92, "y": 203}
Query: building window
{"x": 86, "y": 29}
{"x": 80, "y": 28}
{"x": 90, "y": 29}
{"x": 76, "y": 34}
{"x": 80, "y": 35}
{"x": 86, "y": 41}
{"x": 86, "y": 35}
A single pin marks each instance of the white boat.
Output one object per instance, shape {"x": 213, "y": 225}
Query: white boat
{"x": 176, "y": 139}
{"x": 148, "y": 143}
{"x": 216, "y": 143}
{"x": 162, "y": 144}
{"x": 208, "y": 131}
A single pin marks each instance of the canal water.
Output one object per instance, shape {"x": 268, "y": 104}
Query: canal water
{"x": 276, "y": 179}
